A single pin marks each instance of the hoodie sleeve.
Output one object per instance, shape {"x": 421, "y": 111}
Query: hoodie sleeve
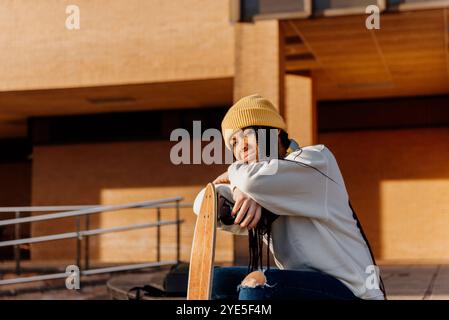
{"x": 225, "y": 190}
{"x": 285, "y": 187}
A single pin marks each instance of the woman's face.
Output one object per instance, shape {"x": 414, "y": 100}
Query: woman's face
{"x": 244, "y": 145}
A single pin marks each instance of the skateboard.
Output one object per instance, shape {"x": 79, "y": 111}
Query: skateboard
{"x": 203, "y": 248}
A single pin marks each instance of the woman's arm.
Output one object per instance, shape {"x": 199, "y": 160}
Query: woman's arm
{"x": 284, "y": 187}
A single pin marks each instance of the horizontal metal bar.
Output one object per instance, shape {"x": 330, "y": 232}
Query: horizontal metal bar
{"x": 59, "y": 236}
{"x": 34, "y": 278}
{"x": 71, "y": 208}
{"x": 87, "y": 272}
{"x": 70, "y": 235}
{"x": 51, "y": 216}
{"x": 44, "y": 208}
{"x": 127, "y": 267}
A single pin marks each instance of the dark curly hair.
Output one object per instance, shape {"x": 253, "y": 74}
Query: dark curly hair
{"x": 263, "y": 228}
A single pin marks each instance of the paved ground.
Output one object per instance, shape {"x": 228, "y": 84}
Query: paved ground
{"x": 417, "y": 282}
{"x": 411, "y": 282}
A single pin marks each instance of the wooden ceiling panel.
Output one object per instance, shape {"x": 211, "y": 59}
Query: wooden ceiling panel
{"x": 407, "y": 56}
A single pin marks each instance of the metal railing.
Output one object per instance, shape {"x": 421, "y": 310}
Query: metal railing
{"x": 86, "y": 211}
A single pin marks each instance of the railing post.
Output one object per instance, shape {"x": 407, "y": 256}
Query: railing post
{"x": 17, "y": 247}
{"x": 86, "y": 245}
{"x": 158, "y": 236}
{"x": 178, "y": 234}
{"x": 78, "y": 242}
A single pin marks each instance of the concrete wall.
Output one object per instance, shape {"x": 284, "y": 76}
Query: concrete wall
{"x": 116, "y": 173}
{"x": 142, "y": 41}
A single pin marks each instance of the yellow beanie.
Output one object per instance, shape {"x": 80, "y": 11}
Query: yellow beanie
{"x": 250, "y": 111}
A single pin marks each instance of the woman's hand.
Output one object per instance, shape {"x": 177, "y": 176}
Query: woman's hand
{"x": 222, "y": 178}
{"x": 248, "y": 210}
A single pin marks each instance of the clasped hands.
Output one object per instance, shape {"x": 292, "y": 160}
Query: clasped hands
{"x": 248, "y": 211}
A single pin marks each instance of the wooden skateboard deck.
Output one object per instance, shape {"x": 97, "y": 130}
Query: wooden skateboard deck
{"x": 203, "y": 248}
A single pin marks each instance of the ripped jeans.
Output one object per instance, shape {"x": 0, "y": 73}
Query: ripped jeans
{"x": 281, "y": 285}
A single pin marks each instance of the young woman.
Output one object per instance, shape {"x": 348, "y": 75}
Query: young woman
{"x": 299, "y": 204}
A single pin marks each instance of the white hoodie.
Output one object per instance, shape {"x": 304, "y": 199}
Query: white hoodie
{"x": 316, "y": 228}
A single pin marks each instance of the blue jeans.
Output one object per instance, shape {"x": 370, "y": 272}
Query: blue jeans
{"x": 281, "y": 285}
